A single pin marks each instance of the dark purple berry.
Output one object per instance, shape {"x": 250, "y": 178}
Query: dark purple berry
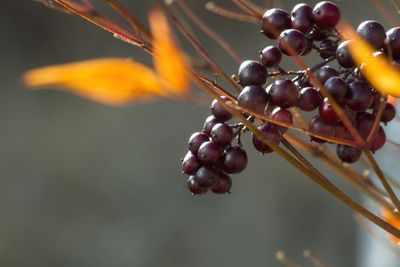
{"x": 235, "y": 160}
{"x": 321, "y": 127}
{"x": 343, "y": 55}
{"x": 254, "y": 98}
{"x": 336, "y": 87}
{"x": 194, "y": 188}
{"x": 324, "y": 73}
{"x": 224, "y": 184}
{"x": 209, "y": 153}
{"x": 270, "y": 56}
{"x": 372, "y": 32}
{"x": 283, "y": 93}
{"x": 302, "y": 18}
{"x": 219, "y": 111}
{"x": 209, "y": 124}
{"x": 327, "y": 113}
{"x": 347, "y": 153}
{"x": 196, "y": 140}
{"x": 274, "y": 21}
{"x": 326, "y": 14}
{"x": 388, "y": 113}
{"x": 222, "y": 134}
{"x": 309, "y": 99}
{"x": 392, "y": 43}
{"x": 271, "y": 132}
{"x": 364, "y": 123}
{"x": 341, "y": 132}
{"x": 327, "y": 48}
{"x": 252, "y": 72}
{"x": 282, "y": 115}
{"x": 190, "y": 164}
{"x": 359, "y": 96}
{"x": 320, "y": 34}
{"x": 379, "y": 140}
{"x": 292, "y": 42}
{"x": 206, "y": 177}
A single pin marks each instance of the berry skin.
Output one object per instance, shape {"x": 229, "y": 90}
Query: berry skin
{"x": 219, "y": 111}
{"x": 392, "y": 43}
{"x": 320, "y": 126}
{"x": 209, "y": 124}
{"x": 222, "y": 134}
{"x": 347, "y": 153}
{"x": 372, "y": 32}
{"x": 327, "y": 48}
{"x": 194, "y": 188}
{"x": 336, "y": 87}
{"x": 283, "y": 93}
{"x": 282, "y": 115}
{"x": 209, "y": 153}
{"x": 190, "y": 164}
{"x": 292, "y": 42}
{"x": 224, "y": 184}
{"x": 235, "y": 160}
{"x": 309, "y": 99}
{"x": 388, "y": 113}
{"x": 270, "y": 56}
{"x": 270, "y": 131}
{"x": 341, "y": 132}
{"x": 274, "y": 21}
{"x": 320, "y": 34}
{"x": 254, "y": 98}
{"x": 343, "y": 55}
{"x": 327, "y": 113}
{"x": 324, "y": 73}
{"x": 379, "y": 140}
{"x": 359, "y": 96}
{"x": 302, "y": 18}
{"x": 206, "y": 177}
{"x": 196, "y": 140}
{"x": 326, "y": 14}
{"x": 364, "y": 123}
{"x": 252, "y": 73}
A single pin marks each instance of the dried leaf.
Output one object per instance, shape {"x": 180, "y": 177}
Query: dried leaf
{"x": 109, "y": 81}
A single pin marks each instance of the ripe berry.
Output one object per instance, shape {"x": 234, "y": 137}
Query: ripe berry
{"x": 235, "y": 160}
{"x": 190, "y": 164}
{"x": 209, "y": 124}
{"x": 372, "y": 32}
{"x": 194, "y": 188}
{"x": 327, "y": 48}
{"x": 282, "y": 115}
{"x": 388, "y": 113}
{"x": 283, "y": 93}
{"x": 292, "y": 42}
{"x": 196, "y": 140}
{"x": 206, "y": 177}
{"x": 222, "y": 134}
{"x": 219, "y": 111}
{"x": 252, "y": 72}
{"x": 320, "y": 34}
{"x": 343, "y": 55}
{"x": 209, "y": 153}
{"x": 271, "y": 132}
{"x": 274, "y": 21}
{"x": 320, "y": 126}
{"x": 379, "y": 140}
{"x": 392, "y": 42}
{"x": 309, "y": 99}
{"x": 364, "y": 123}
{"x": 347, "y": 153}
{"x": 324, "y": 73}
{"x": 302, "y": 18}
{"x": 336, "y": 87}
{"x": 327, "y": 113}
{"x": 326, "y": 14}
{"x": 341, "y": 132}
{"x": 254, "y": 98}
{"x": 223, "y": 185}
{"x": 359, "y": 96}
{"x": 270, "y": 56}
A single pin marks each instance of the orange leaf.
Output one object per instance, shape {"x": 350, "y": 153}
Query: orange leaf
{"x": 170, "y": 63}
{"x": 109, "y": 81}
{"x": 393, "y": 220}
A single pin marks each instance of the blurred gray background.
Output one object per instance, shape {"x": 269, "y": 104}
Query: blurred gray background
{"x": 89, "y": 185}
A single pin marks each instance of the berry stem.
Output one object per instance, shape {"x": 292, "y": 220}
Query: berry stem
{"x": 212, "y": 7}
{"x": 375, "y": 125}
{"x": 250, "y": 8}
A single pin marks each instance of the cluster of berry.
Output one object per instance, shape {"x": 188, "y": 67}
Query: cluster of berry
{"x": 211, "y": 154}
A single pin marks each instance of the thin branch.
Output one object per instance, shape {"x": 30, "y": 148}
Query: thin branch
{"x": 212, "y": 7}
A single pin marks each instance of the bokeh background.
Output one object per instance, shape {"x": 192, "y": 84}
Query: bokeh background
{"x": 89, "y": 185}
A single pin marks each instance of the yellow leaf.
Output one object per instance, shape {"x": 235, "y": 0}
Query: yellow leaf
{"x": 378, "y": 70}
{"x": 170, "y": 63}
{"x": 109, "y": 81}
{"x": 393, "y": 220}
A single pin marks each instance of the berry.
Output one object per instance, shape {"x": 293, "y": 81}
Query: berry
{"x": 364, "y": 123}
{"x": 283, "y": 93}
{"x": 392, "y": 42}
{"x": 190, "y": 164}
{"x": 320, "y": 34}
{"x": 302, "y": 18}
{"x": 359, "y": 96}
{"x": 309, "y": 99}
{"x": 341, "y": 132}
{"x": 222, "y": 134}
{"x": 379, "y": 140}
{"x": 254, "y": 98}
{"x": 194, "y": 188}
{"x": 235, "y": 160}
{"x": 224, "y": 184}
{"x": 327, "y": 48}
{"x": 282, "y": 115}
{"x": 274, "y": 21}
{"x": 327, "y": 113}
{"x": 206, "y": 177}
{"x": 271, "y": 132}
{"x": 388, "y": 113}
{"x": 270, "y": 56}
{"x": 336, "y": 87}
{"x": 372, "y": 32}
{"x": 326, "y": 14}
{"x": 320, "y": 126}
{"x": 343, "y": 55}
{"x": 252, "y": 72}
{"x": 347, "y": 153}
{"x": 219, "y": 111}
{"x": 196, "y": 140}
{"x": 292, "y": 42}
{"x": 324, "y": 73}
{"x": 209, "y": 124}
{"x": 209, "y": 153}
